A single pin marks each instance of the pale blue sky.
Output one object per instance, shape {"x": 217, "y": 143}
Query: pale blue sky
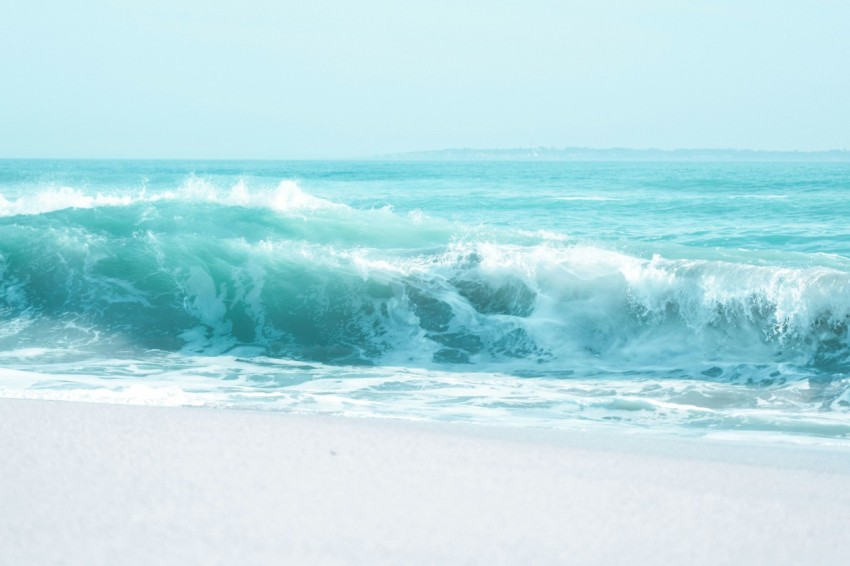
{"x": 265, "y": 79}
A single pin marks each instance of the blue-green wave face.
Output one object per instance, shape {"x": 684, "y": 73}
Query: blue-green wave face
{"x": 686, "y": 299}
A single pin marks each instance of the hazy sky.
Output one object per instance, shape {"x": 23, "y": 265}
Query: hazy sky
{"x": 282, "y": 79}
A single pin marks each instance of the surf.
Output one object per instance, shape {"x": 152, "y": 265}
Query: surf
{"x": 413, "y": 292}
{"x": 292, "y": 275}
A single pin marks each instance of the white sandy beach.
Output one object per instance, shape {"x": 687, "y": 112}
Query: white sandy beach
{"x": 105, "y": 484}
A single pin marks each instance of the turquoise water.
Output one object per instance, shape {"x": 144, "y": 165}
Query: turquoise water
{"x": 689, "y": 297}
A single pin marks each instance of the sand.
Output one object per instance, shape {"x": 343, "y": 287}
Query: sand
{"x": 106, "y": 484}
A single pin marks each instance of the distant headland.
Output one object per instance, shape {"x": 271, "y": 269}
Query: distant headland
{"x": 614, "y": 154}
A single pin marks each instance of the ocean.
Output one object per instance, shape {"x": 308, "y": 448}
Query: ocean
{"x": 681, "y": 297}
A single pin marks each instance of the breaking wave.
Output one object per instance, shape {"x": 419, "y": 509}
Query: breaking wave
{"x": 285, "y": 274}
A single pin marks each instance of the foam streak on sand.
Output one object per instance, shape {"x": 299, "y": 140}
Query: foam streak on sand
{"x": 102, "y": 484}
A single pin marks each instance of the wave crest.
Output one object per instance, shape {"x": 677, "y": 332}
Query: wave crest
{"x": 286, "y": 197}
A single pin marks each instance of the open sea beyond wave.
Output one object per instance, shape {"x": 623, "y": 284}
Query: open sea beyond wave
{"x": 685, "y": 297}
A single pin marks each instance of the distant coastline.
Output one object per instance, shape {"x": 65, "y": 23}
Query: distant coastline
{"x": 614, "y": 154}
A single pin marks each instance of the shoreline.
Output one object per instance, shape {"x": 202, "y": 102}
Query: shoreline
{"x": 98, "y": 484}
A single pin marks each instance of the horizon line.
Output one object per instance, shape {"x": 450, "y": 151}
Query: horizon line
{"x": 395, "y": 156}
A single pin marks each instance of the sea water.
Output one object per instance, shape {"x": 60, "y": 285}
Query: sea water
{"x": 686, "y": 297}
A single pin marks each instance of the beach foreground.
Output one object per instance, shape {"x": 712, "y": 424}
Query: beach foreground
{"x": 104, "y": 484}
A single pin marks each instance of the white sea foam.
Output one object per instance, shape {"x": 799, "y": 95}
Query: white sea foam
{"x": 286, "y": 197}
{"x": 52, "y": 199}
{"x": 685, "y": 405}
